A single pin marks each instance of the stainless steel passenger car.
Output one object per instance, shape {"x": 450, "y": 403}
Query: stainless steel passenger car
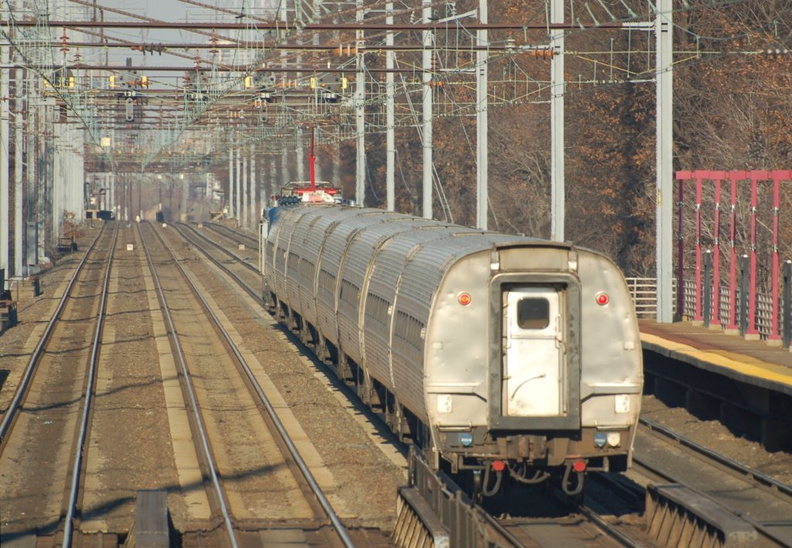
{"x": 502, "y": 357}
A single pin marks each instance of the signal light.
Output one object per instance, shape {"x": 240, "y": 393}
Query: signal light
{"x": 464, "y": 299}
{"x": 579, "y": 466}
{"x": 602, "y": 298}
{"x": 498, "y": 465}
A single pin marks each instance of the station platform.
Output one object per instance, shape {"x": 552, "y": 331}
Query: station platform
{"x": 746, "y": 384}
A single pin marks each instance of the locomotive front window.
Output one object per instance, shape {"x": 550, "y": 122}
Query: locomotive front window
{"x": 533, "y": 313}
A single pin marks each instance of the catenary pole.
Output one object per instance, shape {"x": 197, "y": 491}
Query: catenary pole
{"x": 482, "y": 121}
{"x": 5, "y": 194}
{"x": 390, "y": 115}
{"x": 557, "y": 164}
{"x": 665, "y": 140}
{"x": 428, "y": 41}
{"x": 360, "y": 111}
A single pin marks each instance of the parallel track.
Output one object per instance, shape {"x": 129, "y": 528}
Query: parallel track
{"x": 233, "y": 235}
{"x": 315, "y": 498}
{"x": 54, "y": 400}
{"x": 750, "y": 495}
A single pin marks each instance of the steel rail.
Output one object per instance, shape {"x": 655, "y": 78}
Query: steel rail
{"x": 24, "y": 383}
{"x": 231, "y": 234}
{"x": 301, "y": 464}
{"x": 766, "y": 484}
{"x": 89, "y": 389}
{"x": 608, "y": 528}
{"x": 188, "y": 384}
{"x": 181, "y": 226}
{"x": 772, "y": 484}
{"x": 249, "y": 290}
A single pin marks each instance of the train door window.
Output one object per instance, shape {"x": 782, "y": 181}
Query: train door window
{"x": 533, "y": 313}
{"x": 533, "y": 356}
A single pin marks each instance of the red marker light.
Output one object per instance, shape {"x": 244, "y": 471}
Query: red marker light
{"x": 579, "y": 466}
{"x": 498, "y": 465}
{"x": 602, "y": 298}
{"x": 464, "y": 299}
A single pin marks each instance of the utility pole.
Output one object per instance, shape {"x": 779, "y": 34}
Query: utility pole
{"x": 19, "y": 130}
{"x": 243, "y": 189}
{"x": 31, "y": 179}
{"x": 360, "y": 110}
{"x": 238, "y": 183}
{"x": 230, "y": 197}
{"x": 482, "y": 120}
{"x": 664, "y": 36}
{"x": 5, "y": 54}
{"x": 390, "y": 116}
{"x": 428, "y": 159}
{"x": 557, "y": 162}
{"x": 252, "y": 214}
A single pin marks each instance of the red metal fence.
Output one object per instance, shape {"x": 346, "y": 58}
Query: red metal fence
{"x": 745, "y": 251}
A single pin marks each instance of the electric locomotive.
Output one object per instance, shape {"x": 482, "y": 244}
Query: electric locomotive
{"x": 503, "y": 358}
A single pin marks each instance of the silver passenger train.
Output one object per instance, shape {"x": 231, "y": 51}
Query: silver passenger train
{"x": 503, "y": 358}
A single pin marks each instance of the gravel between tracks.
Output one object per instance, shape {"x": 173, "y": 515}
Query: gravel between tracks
{"x": 366, "y": 478}
{"x": 716, "y": 437}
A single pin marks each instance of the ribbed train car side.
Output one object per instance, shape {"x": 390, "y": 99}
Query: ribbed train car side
{"x": 492, "y": 352}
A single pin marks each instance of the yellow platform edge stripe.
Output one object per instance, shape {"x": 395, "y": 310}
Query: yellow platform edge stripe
{"x": 765, "y": 370}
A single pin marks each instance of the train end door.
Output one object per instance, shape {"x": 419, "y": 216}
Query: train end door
{"x": 533, "y": 329}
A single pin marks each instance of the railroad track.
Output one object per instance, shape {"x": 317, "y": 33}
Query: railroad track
{"x": 752, "y": 499}
{"x": 242, "y": 269}
{"x": 233, "y": 235}
{"x": 45, "y": 428}
{"x": 236, "y": 423}
{"x": 525, "y": 517}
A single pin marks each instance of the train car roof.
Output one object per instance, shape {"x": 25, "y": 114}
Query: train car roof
{"x": 501, "y": 240}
